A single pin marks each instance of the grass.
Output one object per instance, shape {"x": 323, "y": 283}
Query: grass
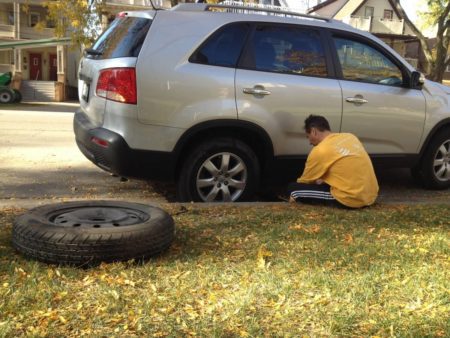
{"x": 248, "y": 272}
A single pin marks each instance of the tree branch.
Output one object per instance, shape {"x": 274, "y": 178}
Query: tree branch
{"x": 423, "y": 40}
{"x": 444, "y": 21}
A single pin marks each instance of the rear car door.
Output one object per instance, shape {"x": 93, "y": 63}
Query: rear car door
{"x": 284, "y": 76}
{"x": 378, "y": 104}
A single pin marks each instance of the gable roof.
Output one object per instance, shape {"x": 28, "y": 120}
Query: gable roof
{"x": 326, "y": 3}
{"x": 350, "y": 6}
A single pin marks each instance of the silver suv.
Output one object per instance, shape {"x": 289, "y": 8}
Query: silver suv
{"x": 214, "y": 97}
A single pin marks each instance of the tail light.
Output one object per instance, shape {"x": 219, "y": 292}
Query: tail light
{"x": 117, "y": 84}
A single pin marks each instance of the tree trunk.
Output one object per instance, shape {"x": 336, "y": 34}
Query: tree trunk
{"x": 436, "y": 63}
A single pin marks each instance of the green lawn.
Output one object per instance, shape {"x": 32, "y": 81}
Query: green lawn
{"x": 238, "y": 271}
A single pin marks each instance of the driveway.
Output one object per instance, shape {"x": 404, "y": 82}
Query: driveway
{"x": 40, "y": 163}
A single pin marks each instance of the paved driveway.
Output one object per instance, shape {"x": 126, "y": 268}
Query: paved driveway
{"x": 40, "y": 163}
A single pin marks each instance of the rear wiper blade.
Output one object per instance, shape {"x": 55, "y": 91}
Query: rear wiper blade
{"x": 92, "y": 51}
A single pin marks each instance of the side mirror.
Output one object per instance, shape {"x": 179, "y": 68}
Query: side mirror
{"x": 417, "y": 79}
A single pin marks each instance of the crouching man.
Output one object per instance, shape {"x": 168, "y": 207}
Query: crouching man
{"x": 338, "y": 170}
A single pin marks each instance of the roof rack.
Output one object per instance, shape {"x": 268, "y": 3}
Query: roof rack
{"x": 209, "y": 7}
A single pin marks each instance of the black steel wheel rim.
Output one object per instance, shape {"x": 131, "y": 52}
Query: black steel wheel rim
{"x": 97, "y": 217}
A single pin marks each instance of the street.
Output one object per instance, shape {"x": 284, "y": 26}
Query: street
{"x": 40, "y": 163}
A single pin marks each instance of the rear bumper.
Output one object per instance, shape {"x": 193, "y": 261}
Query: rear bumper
{"x": 117, "y": 157}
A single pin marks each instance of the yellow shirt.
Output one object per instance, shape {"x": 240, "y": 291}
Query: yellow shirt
{"x": 341, "y": 161}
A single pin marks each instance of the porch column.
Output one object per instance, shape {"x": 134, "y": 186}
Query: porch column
{"x": 16, "y": 11}
{"x": 60, "y": 86}
{"x": 17, "y": 70}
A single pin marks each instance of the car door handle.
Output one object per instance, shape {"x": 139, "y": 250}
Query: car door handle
{"x": 356, "y": 99}
{"x": 256, "y": 91}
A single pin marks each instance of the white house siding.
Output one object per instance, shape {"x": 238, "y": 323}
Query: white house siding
{"x": 379, "y": 7}
{"x": 348, "y": 9}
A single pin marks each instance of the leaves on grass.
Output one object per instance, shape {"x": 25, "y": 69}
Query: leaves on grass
{"x": 249, "y": 272}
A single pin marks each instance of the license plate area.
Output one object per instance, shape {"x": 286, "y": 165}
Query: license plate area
{"x": 85, "y": 91}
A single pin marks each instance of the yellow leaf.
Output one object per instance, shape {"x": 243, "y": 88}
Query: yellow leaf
{"x": 115, "y": 294}
{"x": 348, "y": 238}
{"x": 62, "y": 319}
{"x": 263, "y": 253}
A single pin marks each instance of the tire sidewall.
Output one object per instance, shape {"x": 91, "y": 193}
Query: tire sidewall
{"x": 427, "y": 169}
{"x": 8, "y": 92}
{"x": 38, "y": 218}
{"x": 35, "y": 235}
{"x": 186, "y": 185}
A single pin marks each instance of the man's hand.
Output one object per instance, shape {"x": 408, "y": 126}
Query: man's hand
{"x": 319, "y": 181}
{"x": 291, "y": 200}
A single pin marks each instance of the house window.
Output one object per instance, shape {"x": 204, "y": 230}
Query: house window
{"x": 11, "y": 18}
{"x": 51, "y": 23}
{"x": 448, "y": 69}
{"x": 388, "y": 14}
{"x": 33, "y": 19}
{"x": 368, "y": 11}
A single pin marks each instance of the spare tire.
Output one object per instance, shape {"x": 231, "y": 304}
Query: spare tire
{"x": 87, "y": 233}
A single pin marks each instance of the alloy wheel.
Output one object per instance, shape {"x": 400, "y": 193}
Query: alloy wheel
{"x": 222, "y": 178}
{"x": 441, "y": 165}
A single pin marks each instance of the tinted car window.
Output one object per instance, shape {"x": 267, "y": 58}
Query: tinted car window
{"x": 223, "y": 48}
{"x": 287, "y": 49}
{"x": 123, "y": 38}
{"x": 361, "y": 62}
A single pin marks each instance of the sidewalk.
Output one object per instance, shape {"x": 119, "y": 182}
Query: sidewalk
{"x": 67, "y": 106}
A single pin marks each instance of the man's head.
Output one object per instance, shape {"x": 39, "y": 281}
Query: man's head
{"x": 316, "y": 128}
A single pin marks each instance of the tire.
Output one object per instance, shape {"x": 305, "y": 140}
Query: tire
{"x": 222, "y": 170}
{"x": 434, "y": 169}
{"x": 17, "y": 96}
{"x": 90, "y": 232}
{"x": 6, "y": 95}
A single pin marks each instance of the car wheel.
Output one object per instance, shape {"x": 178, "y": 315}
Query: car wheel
{"x": 435, "y": 166}
{"x": 6, "y": 95}
{"x": 88, "y": 233}
{"x": 222, "y": 170}
{"x": 17, "y": 96}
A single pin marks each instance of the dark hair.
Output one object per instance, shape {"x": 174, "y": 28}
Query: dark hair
{"x": 318, "y": 122}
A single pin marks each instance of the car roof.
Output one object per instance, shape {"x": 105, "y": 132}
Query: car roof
{"x": 253, "y": 13}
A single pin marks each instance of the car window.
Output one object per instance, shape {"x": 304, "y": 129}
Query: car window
{"x": 361, "y": 62}
{"x": 223, "y": 48}
{"x": 287, "y": 49}
{"x": 123, "y": 38}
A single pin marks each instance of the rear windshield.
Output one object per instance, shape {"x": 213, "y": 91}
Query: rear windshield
{"x": 123, "y": 38}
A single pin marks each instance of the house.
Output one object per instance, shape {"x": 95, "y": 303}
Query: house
{"x": 44, "y": 67}
{"x": 376, "y": 16}
{"x": 29, "y": 49}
